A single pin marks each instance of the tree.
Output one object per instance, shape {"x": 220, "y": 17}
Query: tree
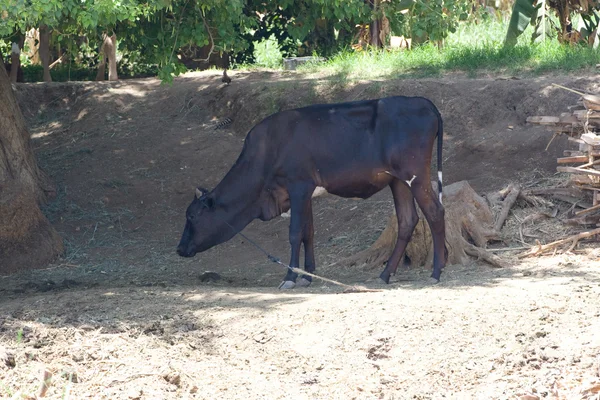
{"x": 536, "y": 13}
{"x": 108, "y": 50}
{"x": 27, "y": 240}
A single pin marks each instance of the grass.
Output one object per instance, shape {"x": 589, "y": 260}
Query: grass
{"x": 474, "y": 49}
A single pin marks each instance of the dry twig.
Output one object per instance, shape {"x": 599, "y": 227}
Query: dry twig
{"x": 571, "y": 239}
{"x": 485, "y": 255}
{"x": 45, "y": 384}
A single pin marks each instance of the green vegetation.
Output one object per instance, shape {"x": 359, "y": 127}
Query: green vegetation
{"x": 166, "y": 37}
{"x": 473, "y": 48}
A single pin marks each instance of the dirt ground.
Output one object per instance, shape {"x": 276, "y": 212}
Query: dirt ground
{"x": 121, "y": 316}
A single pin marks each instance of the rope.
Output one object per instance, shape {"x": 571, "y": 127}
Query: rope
{"x": 349, "y": 288}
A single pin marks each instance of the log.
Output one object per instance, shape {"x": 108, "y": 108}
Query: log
{"x": 509, "y": 201}
{"x": 571, "y": 239}
{"x": 484, "y": 255}
{"x": 572, "y": 159}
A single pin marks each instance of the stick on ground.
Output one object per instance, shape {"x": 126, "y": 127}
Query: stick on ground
{"x": 571, "y": 239}
{"x": 509, "y": 201}
{"x": 483, "y": 254}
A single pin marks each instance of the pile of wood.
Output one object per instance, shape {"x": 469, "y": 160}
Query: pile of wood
{"x": 582, "y": 124}
{"x": 584, "y": 117}
{"x": 583, "y": 127}
{"x": 585, "y": 174}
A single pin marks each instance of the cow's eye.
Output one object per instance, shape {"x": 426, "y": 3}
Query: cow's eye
{"x": 191, "y": 217}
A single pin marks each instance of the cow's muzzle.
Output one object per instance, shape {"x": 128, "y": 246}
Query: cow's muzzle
{"x": 183, "y": 252}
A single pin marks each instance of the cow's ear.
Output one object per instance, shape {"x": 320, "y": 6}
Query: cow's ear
{"x": 201, "y": 192}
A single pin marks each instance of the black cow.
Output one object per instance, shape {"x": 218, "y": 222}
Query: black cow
{"x": 351, "y": 149}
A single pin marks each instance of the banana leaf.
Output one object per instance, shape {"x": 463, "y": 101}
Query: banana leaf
{"x": 524, "y": 12}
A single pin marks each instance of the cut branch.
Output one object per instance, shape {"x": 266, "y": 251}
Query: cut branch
{"x": 484, "y": 255}
{"x": 509, "y": 201}
{"x": 571, "y": 239}
{"x": 59, "y": 61}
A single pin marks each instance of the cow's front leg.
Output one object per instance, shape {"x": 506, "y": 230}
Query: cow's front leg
{"x": 308, "y": 235}
{"x": 300, "y": 206}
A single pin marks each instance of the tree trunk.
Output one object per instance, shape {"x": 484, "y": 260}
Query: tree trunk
{"x": 32, "y": 40}
{"x": 469, "y": 227}
{"x": 15, "y": 60}
{"x": 379, "y": 29}
{"x": 111, "y": 52}
{"x": 45, "y": 51}
{"x": 374, "y": 32}
{"x": 108, "y": 49}
{"x": 27, "y": 240}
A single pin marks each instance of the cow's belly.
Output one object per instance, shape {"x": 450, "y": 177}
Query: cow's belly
{"x": 363, "y": 186}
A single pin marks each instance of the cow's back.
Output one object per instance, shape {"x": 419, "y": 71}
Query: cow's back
{"x": 345, "y": 147}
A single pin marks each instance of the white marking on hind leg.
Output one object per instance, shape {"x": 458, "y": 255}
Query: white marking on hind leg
{"x": 411, "y": 181}
{"x": 441, "y": 185}
{"x": 319, "y": 191}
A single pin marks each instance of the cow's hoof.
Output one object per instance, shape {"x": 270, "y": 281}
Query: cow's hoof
{"x": 303, "y": 282}
{"x": 285, "y": 285}
{"x": 433, "y": 281}
{"x": 381, "y": 281}
{"x": 385, "y": 278}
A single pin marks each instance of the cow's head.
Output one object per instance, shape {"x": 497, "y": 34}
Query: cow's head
{"x": 206, "y": 225}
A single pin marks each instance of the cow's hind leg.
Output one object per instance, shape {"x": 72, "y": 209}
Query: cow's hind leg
{"x": 300, "y": 208}
{"x": 406, "y": 213}
{"x": 308, "y": 235}
{"x": 434, "y": 213}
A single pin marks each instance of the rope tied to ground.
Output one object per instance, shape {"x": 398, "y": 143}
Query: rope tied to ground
{"x": 276, "y": 260}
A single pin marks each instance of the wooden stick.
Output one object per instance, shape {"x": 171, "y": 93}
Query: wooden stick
{"x": 45, "y": 384}
{"x": 573, "y": 159}
{"x": 508, "y": 249}
{"x": 483, "y": 254}
{"x": 509, "y": 201}
{"x": 590, "y": 164}
{"x": 576, "y": 170}
{"x": 58, "y": 61}
{"x": 571, "y": 239}
{"x": 586, "y": 96}
{"x": 587, "y": 210}
{"x": 551, "y": 140}
{"x": 570, "y": 90}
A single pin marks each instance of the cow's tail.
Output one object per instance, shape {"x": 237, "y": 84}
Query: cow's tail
{"x": 440, "y": 142}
